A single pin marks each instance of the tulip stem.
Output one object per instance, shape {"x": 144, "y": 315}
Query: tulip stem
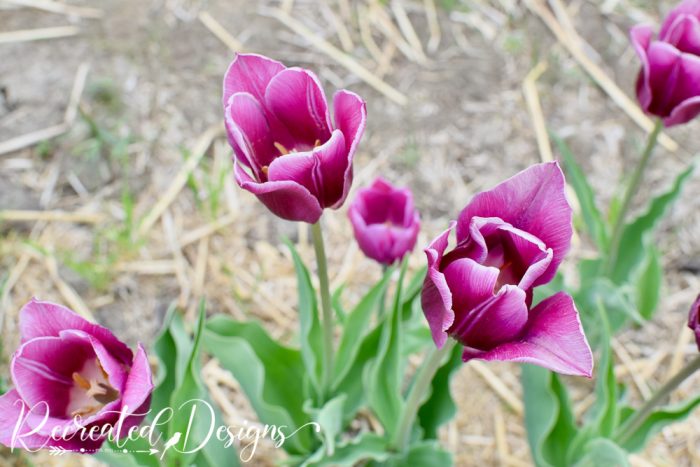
{"x": 629, "y": 194}
{"x": 627, "y": 430}
{"x": 328, "y": 329}
{"x": 418, "y": 393}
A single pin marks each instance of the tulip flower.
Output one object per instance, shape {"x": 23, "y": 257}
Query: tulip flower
{"x": 509, "y": 239}
{"x": 287, "y": 151}
{"x": 694, "y": 320}
{"x": 669, "y": 82}
{"x": 73, "y": 382}
{"x": 384, "y": 221}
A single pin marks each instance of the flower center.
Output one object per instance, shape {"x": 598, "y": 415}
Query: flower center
{"x": 91, "y": 390}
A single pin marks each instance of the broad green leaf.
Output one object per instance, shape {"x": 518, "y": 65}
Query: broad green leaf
{"x": 440, "y": 408}
{"x": 649, "y": 283}
{"x": 585, "y": 195}
{"x": 619, "y": 302}
{"x": 416, "y": 338}
{"x": 383, "y": 376}
{"x": 631, "y": 252}
{"x": 422, "y": 454}
{"x": 365, "y": 447}
{"x": 337, "y": 303}
{"x": 548, "y": 416}
{"x": 270, "y": 374}
{"x": 196, "y": 419}
{"x": 311, "y": 337}
{"x": 357, "y": 325}
{"x": 654, "y": 423}
{"x": 601, "y": 452}
{"x": 330, "y": 419}
{"x": 411, "y": 296}
{"x": 172, "y": 347}
{"x": 606, "y": 414}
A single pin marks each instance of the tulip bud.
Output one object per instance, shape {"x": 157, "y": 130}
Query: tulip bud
{"x": 694, "y": 320}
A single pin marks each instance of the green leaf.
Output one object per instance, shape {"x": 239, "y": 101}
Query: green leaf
{"x": 548, "y": 416}
{"x": 601, "y": 452}
{"x": 271, "y": 375}
{"x": 311, "y": 337}
{"x": 383, "y": 376}
{"x": 649, "y": 283}
{"x": 330, "y": 419}
{"x": 356, "y": 326}
{"x": 631, "y": 252}
{"x": 172, "y": 347}
{"x": 584, "y": 193}
{"x": 422, "y": 454}
{"x": 337, "y": 303}
{"x": 366, "y": 446}
{"x": 411, "y": 295}
{"x": 655, "y": 422}
{"x": 605, "y": 409}
{"x": 440, "y": 408}
{"x": 195, "y": 418}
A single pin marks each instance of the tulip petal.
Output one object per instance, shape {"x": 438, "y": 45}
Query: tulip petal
{"x": 472, "y": 284}
{"x": 12, "y": 409}
{"x": 694, "y": 320}
{"x": 641, "y": 40}
{"x": 320, "y": 171}
{"x": 436, "y": 298}
{"x": 350, "y": 115}
{"x": 296, "y": 98}
{"x": 42, "y": 369}
{"x": 250, "y": 132}
{"x": 499, "y": 319}
{"x": 286, "y": 199}
{"x": 116, "y": 372}
{"x": 45, "y": 319}
{"x": 685, "y": 8}
{"x": 250, "y": 73}
{"x": 139, "y": 384}
{"x": 553, "y": 339}
{"x": 533, "y": 201}
{"x": 684, "y": 34}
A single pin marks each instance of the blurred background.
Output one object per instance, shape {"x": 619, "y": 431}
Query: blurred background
{"x": 117, "y": 196}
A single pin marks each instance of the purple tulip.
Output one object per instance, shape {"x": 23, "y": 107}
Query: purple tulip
{"x": 694, "y": 320}
{"x": 73, "y": 380}
{"x": 385, "y": 221}
{"x": 272, "y": 111}
{"x": 509, "y": 239}
{"x": 669, "y": 82}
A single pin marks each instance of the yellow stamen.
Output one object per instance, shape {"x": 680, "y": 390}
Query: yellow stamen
{"x": 265, "y": 169}
{"x": 89, "y": 410}
{"x": 281, "y": 148}
{"x": 82, "y": 382}
{"x": 317, "y": 143}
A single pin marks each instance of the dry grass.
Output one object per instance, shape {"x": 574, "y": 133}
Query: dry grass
{"x": 123, "y": 214}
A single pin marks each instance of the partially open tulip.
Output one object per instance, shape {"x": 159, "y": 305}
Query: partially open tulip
{"x": 74, "y": 381}
{"x": 694, "y": 320}
{"x": 669, "y": 82}
{"x": 287, "y": 151}
{"x": 509, "y": 239}
{"x": 385, "y": 221}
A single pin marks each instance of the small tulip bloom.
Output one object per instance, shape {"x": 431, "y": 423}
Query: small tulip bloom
{"x": 385, "y": 221}
{"x": 694, "y": 320}
{"x": 287, "y": 151}
{"x": 73, "y": 380}
{"x": 509, "y": 239}
{"x": 669, "y": 82}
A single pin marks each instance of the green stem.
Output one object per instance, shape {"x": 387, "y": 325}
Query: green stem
{"x": 629, "y": 195}
{"x": 382, "y": 299}
{"x": 328, "y": 329}
{"x": 628, "y": 429}
{"x": 418, "y": 393}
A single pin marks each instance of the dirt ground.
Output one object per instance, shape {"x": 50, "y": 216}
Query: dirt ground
{"x": 153, "y": 89}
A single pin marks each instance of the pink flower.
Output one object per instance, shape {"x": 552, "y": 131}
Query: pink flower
{"x": 509, "y": 239}
{"x": 694, "y": 320}
{"x": 287, "y": 152}
{"x": 385, "y": 222}
{"x": 669, "y": 82}
{"x": 71, "y": 376}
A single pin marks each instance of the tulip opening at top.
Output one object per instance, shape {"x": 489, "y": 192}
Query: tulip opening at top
{"x": 384, "y": 221}
{"x": 509, "y": 240}
{"x": 668, "y": 85}
{"x": 287, "y": 150}
{"x": 74, "y": 383}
